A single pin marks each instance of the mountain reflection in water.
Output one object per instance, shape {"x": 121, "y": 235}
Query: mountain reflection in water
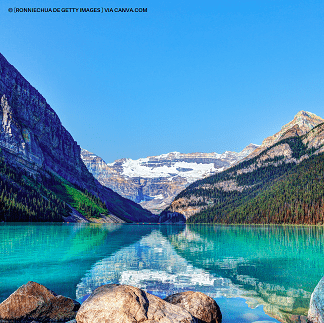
{"x": 153, "y": 265}
{"x": 274, "y": 266}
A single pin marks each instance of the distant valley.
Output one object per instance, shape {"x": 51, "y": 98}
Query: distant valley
{"x": 154, "y": 181}
{"x": 46, "y": 176}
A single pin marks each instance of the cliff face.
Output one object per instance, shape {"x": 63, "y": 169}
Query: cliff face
{"x": 154, "y": 181}
{"x": 33, "y": 138}
{"x": 32, "y": 131}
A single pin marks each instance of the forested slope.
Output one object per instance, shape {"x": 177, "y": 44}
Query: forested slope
{"x": 283, "y": 184}
{"x": 25, "y": 198}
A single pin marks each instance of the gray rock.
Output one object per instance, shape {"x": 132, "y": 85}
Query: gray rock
{"x": 199, "y": 305}
{"x": 122, "y": 303}
{"x": 33, "y": 302}
{"x": 316, "y": 305}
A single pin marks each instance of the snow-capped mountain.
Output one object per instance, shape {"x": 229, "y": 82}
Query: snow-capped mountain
{"x": 154, "y": 181}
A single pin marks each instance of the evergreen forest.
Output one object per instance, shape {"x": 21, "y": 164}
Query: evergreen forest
{"x": 47, "y": 198}
{"x": 272, "y": 192}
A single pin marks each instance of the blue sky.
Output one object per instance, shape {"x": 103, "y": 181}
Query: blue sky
{"x": 188, "y": 76}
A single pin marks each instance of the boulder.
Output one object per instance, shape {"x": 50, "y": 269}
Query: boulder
{"x": 122, "y": 303}
{"x": 316, "y": 305}
{"x": 199, "y": 305}
{"x": 34, "y": 302}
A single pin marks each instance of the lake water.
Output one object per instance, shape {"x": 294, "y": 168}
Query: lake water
{"x": 255, "y": 273}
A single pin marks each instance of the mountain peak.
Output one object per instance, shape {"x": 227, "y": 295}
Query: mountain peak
{"x": 303, "y": 122}
{"x": 304, "y": 119}
{"x": 303, "y": 113}
{"x": 251, "y": 145}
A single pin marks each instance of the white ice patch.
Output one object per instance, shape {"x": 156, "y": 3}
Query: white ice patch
{"x": 140, "y": 168}
{"x": 158, "y": 197}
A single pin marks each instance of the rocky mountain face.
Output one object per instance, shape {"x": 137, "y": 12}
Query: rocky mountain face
{"x": 31, "y": 131}
{"x": 278, "y": 182}
{"x": 302, "y": 123}
{"x": 33, "y": 138}
{"x": 154, "y": 181}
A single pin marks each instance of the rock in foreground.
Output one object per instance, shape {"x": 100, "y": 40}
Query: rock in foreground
{"x": 34, "y": 302}
{"x": 199, "y": 305}
{"x": 316, "y": 306}
{"x": 128, "y": 304}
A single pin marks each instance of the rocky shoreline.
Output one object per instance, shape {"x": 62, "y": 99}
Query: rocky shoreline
{"x": 34, "y": 303}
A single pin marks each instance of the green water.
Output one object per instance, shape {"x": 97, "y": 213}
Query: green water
{"x": 255, "y": 273}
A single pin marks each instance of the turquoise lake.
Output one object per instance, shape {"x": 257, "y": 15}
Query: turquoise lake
{"x": 255, "y": 273}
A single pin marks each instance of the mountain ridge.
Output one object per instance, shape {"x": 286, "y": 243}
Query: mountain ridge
{"x": 33, "y": 139}
{"x": 232, "y": 196}
{"x": 153, "y": 181}
{"x": 303, "y": 122}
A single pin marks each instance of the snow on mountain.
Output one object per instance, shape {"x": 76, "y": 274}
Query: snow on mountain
{"x": 154, "y": 181}
{"x": 190, "y": 171}
{"x": 189, "y": 166}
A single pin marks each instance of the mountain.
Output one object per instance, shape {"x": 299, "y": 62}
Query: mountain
{"x": 154, "y": 181}
{"x": 302, "y": 123}
{"x": 41, "y": 163}
{"x": 279, "y": 183}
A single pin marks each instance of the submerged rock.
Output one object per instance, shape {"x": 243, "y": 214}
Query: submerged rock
{"x": 34, "y": 302}
{"x": 316, "y": 305}
{"x": 123, "y": 303}
{"x": 199, "y": 305}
